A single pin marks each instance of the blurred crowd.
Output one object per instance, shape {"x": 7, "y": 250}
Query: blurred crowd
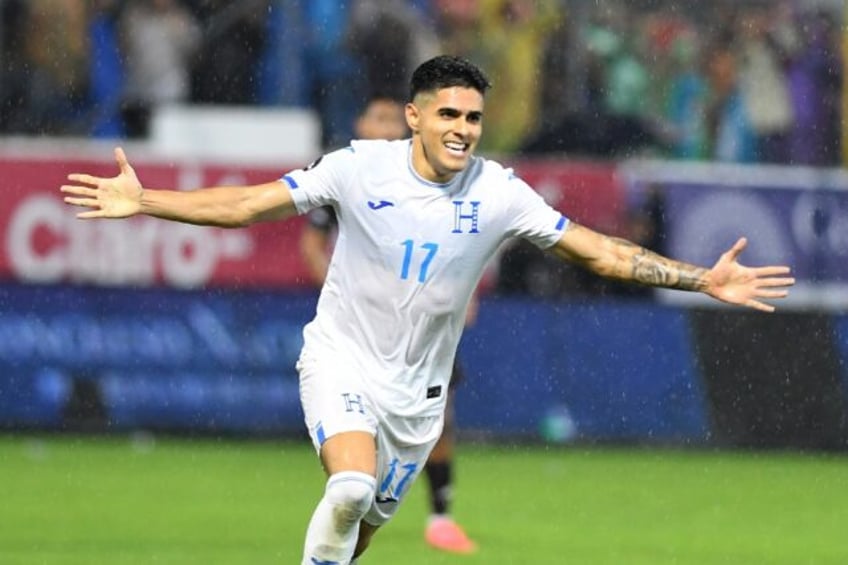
{"x": 733, "y": 81}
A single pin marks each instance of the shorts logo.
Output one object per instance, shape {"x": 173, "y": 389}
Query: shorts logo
{"x": 434, "y": 391}
{"x": 353, "y": 402}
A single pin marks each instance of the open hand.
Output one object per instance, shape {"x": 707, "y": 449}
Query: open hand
{"x": 731, "y": 282}
{"x": 116, "y": 197}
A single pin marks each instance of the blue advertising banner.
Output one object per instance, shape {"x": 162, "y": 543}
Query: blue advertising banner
{"x": 616, "y": 371}
{"x": 219, "y": 361}
{"x": 151, "y": 359}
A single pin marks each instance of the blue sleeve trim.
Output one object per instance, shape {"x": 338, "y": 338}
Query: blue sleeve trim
{"x": 561, "y": 222}
{"x": 291, "y": 181}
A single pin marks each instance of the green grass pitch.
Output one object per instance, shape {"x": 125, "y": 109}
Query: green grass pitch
{"x": 69, "y": 500}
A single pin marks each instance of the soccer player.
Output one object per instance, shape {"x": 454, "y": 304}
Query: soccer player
{"x": 418, "y": 220}
{"x": 383, "y": 118}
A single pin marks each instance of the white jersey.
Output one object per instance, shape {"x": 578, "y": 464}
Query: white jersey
{"x": 407, "y": 259}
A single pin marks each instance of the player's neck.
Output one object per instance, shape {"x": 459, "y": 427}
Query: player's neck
{"x": 423, "y": 167}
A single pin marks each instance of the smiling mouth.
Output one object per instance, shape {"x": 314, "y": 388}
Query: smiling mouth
{"x": 457, "y": 148}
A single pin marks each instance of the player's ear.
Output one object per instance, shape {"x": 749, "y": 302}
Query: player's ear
{"x": 413, "y": 114}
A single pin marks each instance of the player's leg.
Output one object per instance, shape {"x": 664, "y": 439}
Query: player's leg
{"x": 440, "y": 465}
{"x": 333, "y": 534}
{"x": 342, "y": 426}
{"x": 366, "y": 532}
{"x": 442, "y": 532}
{"x": 403, "y": 446}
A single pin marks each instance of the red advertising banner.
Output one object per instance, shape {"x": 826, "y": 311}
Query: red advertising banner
{"x": 43, "y": 242}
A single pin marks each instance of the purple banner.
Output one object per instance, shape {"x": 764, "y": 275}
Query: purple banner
{"x": 796, "y": 217}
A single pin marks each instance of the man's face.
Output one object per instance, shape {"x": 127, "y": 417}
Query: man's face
{"x": 382, "y": 119}
{"x": 446, "y": 126}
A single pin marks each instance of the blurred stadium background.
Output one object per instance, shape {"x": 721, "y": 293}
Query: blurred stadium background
{"x": 601, "y": 424}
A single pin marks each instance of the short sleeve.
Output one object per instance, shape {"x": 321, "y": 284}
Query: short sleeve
{"x": 321, "y": 183}
{"x": 531, "y": 217}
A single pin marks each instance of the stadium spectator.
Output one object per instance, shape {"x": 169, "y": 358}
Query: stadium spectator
{"x": 158, "y": 40}
{"x": 815, "y": 86}
{"x": 377, "y": 357}
{"x": 106, "y": 71}
{"x": 513, "y": 33}
{"x": 458, "y": 25}
{"x": 729, "y": 129}
{"x": 686, "y": 100}
{"x": 56, "y": 49}
{"x": 334, "y": 82}
{"x": 14, "y": 70}
{"x": 766, "y": 45}
{"x": 390, "y": 38}
{"x": 383, "y": 118}
{"x": 225, "y": 68}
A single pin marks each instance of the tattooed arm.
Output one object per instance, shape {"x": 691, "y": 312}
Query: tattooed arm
{"x": 727, "y": 280}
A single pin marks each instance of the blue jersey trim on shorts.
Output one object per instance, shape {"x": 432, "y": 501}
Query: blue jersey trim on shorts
{"x": 319, "y": 433}
{"x": 291, "y": 181}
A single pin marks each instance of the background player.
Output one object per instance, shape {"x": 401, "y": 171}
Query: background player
{"x": 383, "y": 118}
{"x": 419, "y": 219}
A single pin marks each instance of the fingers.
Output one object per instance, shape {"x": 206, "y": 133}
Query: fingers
{"x": 772, "y": 293}
{"x": 737, "y": 248}
{"x": 91, "y": 214}
{"x": 771, "y": 271}
{"x": 761, "y": 306}
{"x": 78, "y": 190}
{"x": 776, "y": 281}
{"x": 123, "y": 163}
{"x": 87, "y": 202}
{"x": 85, "y": 179}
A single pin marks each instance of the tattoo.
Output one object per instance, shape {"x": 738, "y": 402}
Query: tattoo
{"x": 653, "y": 269}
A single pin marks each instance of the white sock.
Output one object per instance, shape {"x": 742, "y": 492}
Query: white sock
{"x": 334, "y": 528}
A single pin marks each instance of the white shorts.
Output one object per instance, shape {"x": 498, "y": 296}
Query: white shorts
{"x": 335, "y": 401}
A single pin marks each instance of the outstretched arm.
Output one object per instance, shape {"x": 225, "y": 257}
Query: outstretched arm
{"x": 123, "y": 196}
{"x": 727, "y": 280}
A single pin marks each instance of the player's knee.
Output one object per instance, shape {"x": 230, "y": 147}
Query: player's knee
{"x": 351, "y": 494}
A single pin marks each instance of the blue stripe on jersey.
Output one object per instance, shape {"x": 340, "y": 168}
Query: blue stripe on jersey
{"x": 319, "y": 433}
{"x": 561, "y": 223}
{"x": 291, "y": 181}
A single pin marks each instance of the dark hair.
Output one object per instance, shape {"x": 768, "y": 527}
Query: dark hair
{"x": 446, "y": 71}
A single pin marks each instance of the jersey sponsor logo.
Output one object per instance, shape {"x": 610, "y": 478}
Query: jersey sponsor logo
{"x": 381, "y": 204}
